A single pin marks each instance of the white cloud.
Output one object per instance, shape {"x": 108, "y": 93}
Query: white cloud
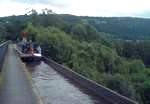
{"x": 109, "y": 7}
{"x": 16, "y": 8}
{"x": 79, "y": 7}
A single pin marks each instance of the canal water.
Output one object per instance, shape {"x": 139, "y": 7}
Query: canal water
{"x": 54, "y": 88}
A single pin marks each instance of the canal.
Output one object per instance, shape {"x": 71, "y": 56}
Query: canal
{"x": 54, "y": 88}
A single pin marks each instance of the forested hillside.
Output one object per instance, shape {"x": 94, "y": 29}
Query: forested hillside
{"x": 121, "y": 27}
{"x": 90, "y": 46}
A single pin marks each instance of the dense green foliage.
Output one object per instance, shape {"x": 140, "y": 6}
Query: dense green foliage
{"x": 93, "y": 59}
{"x": 139, "y": 49}
{"x": 83, "y": 45}
{"x": 10, "y": 27}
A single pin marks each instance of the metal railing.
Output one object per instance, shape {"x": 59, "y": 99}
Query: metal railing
{"x": 3, "y": 51}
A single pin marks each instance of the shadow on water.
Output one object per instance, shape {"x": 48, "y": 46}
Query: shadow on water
{"x": 56, "y": 89}
{"x": 31, "y": 65}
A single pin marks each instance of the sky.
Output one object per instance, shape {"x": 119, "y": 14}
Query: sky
{"x": 105, "y": 8}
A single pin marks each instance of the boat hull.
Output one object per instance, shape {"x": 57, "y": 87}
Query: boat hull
{"x": 31, "y": 58}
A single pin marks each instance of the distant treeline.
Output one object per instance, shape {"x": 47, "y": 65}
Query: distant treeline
{"x": 122, "y": 27}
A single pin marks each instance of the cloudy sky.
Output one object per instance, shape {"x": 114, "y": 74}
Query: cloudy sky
{"x": 134, "y": 8}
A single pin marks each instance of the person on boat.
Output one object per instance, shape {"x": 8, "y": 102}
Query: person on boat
{"x": 29, "y": 49}
{"x": 23, "y": 45}
{"x": 24, "y": 41}
{"x": 39, "y": 49}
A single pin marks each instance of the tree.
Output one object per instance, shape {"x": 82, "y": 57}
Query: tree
{"x": 118, "y": 83}
{"x": 136, "y": 66}
{"x": 79, "y": 31}
{"x": 145, "y": 92}
{"x": 84, "y": 32}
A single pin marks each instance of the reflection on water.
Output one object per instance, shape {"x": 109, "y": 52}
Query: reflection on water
{"x": 55, "y": 89}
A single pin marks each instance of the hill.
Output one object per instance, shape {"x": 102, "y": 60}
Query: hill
{"x": 119, "y": 27}
{"x": 90, "y": 46}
